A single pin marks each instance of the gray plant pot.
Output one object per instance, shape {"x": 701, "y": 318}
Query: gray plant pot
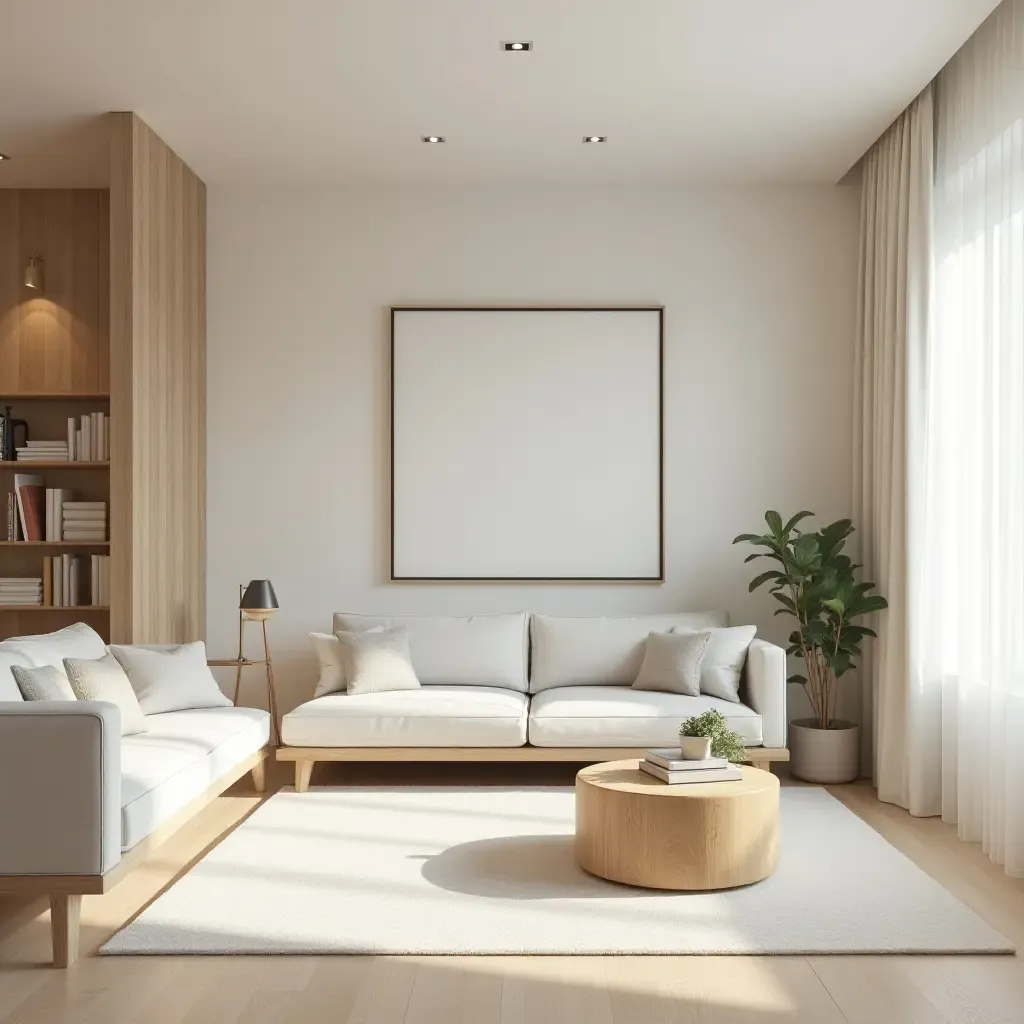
{"x": 825, "y": 756}
{"x": 695, "y": 748}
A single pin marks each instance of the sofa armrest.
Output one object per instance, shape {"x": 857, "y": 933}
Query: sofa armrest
{"x": 764, "y": 689}
{"x": 60, "y": 787}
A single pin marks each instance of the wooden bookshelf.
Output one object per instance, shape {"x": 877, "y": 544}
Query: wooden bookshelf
{"x": 54, "y": 608}
{"x": 54, "y": 543}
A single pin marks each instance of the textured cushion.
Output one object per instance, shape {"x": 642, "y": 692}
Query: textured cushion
{"x": 724, "y": 656}
{"x": 672, "y": 663}
{"x": 479, "y": 650}
{"x": 77, "y": 641}
{"x": 178, "y": 758}
{"x": 600, "y": 651}
{"x": 8, "y": 684}
{"x": 174, "y": 680}
{"x": 619, "y": 716}
{"x": 104, "y": 679}
{"x": 46, "y": 682}
{"x": 377, "y": 661}
{"x": 432, "y": 716}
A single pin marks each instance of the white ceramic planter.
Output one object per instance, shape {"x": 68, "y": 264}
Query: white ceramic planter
{"x": 695, "y": 748}
{"x": 825, "y": 756}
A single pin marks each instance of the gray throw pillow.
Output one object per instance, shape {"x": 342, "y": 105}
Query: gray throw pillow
{"x": 44, "y": 683}
{"x": 724, "y": 657}
{"x": 104, "y": 679}
{"x": 177, "y": 679}
{"x": 672, "y": 663}
{"x": 376, "y": 662}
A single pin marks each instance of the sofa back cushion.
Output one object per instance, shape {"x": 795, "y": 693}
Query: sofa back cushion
{"x": 77, "y": 641}
{"x": 478, "y": 650}
{"x": 600, "y": 651}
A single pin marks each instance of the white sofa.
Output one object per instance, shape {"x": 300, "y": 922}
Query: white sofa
{"x": 529, "y": 687}
{"x": 79, "y": 803}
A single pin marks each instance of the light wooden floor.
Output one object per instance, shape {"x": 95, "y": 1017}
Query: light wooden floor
{"x": 512, "y": 990}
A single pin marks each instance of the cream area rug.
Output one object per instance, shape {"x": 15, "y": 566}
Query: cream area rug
{"x": 454, "y": 870}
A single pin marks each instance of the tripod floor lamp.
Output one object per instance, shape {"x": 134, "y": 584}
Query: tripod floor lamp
{"x": 256, "y": 603}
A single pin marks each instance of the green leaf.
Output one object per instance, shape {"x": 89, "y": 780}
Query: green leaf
{"x": 774, "y": 521}
{"x": 771, "y": 574}
{"x": 835, "y": 605}
{"x": 796, "y": 519}
{"x": 797, "y": 678}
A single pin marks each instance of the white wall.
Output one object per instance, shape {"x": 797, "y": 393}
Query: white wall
{"x": 758, "y": 285}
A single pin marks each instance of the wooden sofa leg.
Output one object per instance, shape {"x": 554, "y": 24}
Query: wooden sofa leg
{"x": 765, "y": 766}
{"x": 303, "y": 770}
{"x": 65, "y": 915}
{"x": 259, "y": 776}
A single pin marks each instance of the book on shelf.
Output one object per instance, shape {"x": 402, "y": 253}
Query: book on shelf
{"x": 76, "y": 581}
{"x": 21, "y": 590}
{"x": 729, "y": 774}
{"x": 12, "y": 515}
{"x": 55, "y": 499}
{"x": 99, "y": 577}
{"x": 89, "y": 438}
{"x": 31, "y": 497}
{"x": 671, "y": 759}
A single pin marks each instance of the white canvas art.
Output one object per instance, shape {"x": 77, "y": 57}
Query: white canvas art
{"x": 526, "y": 444}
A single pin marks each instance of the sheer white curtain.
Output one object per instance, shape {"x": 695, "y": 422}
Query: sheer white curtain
{"x": 966, "y": 686}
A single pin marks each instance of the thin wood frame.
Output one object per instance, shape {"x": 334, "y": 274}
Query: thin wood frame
{"x": 660, "y": 577}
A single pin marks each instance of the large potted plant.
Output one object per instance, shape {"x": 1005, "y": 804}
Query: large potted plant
{"x": 816, "y": 584}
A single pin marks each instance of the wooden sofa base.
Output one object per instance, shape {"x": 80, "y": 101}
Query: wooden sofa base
{"x": 66, "y": 891}
{"x": 306, "y": 757}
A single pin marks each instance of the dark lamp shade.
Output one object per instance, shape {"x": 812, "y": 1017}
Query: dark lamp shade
{"x": 259, "y": 595}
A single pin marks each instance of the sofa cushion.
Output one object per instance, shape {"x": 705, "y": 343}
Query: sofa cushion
{"x": 605, "y": 651}
{"x": 174, "y": 680}
{"x": 178, "y": 758}
{"x": 77, "y": 641}
{"x": 619, "y": 716}
{"x": 8, "y": 684}
{"x": 432, "y": 716}
{"x": 479, "y": 650}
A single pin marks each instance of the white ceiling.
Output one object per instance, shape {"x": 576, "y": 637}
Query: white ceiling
{"x": 325, "y": 91}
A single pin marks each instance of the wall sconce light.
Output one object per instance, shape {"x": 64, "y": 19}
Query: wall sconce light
{"x": 34, "y": 277}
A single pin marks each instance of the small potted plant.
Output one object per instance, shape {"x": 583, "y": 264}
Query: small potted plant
{"x": 816, "y": 584}
{"x": 713, "y": 738}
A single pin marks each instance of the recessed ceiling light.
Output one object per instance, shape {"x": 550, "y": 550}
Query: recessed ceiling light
{"x": 517, "y": 47}
{"x": 595, "y": 138}
{"x": 433, "y": 139}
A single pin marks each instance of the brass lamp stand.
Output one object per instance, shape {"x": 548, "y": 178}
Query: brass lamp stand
{"x": 256, "y": 603}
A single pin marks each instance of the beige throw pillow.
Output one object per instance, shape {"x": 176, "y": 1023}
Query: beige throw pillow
{"x": 47, "y": 682}
{"x": 672, "y": 663}
{"x": 723, "y": 662}
{"x": 377, "y": 662}
{"x": 104, "y": 679}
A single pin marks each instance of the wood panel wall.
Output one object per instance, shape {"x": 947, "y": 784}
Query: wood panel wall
{"x": 158, "y": 389}
{"x": 57, "y": 342}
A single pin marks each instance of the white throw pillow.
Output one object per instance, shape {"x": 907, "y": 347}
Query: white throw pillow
{"x": 8, "y": 685}
{"x": 77, "y": 641}
{"x": 723, "y": 661}
{"x": 175, "y": 680}
{"x": 104, "y": 679}
{"x": 672, "y": 663}
{"x": 44, "y": 682}
{"x": 331, "y": 656}
{"x": 378, "y": 661}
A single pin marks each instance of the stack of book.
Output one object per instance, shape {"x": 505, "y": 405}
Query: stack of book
{"x": 43, "y": 451}
{"x": 89, "y": 439}
{"x": 20, "y": 590}
{"x": 55, "y": 498}
{"x": 84, "y": 521}
{"x": 671, "y": 767}
{"x": 99, "y": 577}
{"x": 64, "y": 581}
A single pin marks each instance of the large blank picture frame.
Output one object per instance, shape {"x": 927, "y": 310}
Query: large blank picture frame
{"x": 527, "y": 444}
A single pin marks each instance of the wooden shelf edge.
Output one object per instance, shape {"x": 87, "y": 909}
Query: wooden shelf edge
{"x": 54, "y": 543}
{"x": 55, "y": 396}
{"x": 17, "y": 464}
{"x": 53, "y": 608}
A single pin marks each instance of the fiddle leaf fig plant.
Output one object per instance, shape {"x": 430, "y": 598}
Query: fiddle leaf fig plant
{"x": 816, "y": 584}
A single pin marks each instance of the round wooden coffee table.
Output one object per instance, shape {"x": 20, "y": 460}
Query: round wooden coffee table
{"x": 635, "y": 829}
